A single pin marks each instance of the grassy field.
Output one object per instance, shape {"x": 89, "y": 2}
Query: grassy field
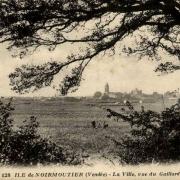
{"x": 69, "y": 123}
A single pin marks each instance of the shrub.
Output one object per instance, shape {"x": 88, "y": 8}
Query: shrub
{"x": 97, "y": 94}
{"x": 25, "y": 146}
{"x": 154, "y": 137}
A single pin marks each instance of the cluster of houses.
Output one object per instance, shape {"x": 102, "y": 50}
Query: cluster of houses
{"x": 136, "y": 95}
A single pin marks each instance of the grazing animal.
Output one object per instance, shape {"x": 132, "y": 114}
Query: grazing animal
{"x": 105, "y": 125}
{"x": 93, "y": 123}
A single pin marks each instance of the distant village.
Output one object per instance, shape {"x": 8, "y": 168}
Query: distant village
{"x": 135, "y": 95}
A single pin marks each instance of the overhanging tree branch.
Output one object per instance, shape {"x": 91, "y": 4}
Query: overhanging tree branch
{"x": 29, "y": 24}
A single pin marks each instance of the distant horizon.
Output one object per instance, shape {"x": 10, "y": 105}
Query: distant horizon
{"x": 122, "y": 73}
{"x": 71, "y": 95}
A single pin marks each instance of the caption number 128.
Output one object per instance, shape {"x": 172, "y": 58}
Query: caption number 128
{"x": 6, "y": 175}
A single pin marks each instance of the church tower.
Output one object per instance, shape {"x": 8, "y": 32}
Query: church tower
{"x": 106, "y": 89}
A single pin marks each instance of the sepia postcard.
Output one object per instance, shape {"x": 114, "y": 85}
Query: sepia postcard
{"x": 89, "y": 89}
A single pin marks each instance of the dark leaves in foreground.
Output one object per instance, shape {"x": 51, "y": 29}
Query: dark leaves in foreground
{"x": 154, "y": 137}
{"x": 25, "y": 146}
{"x": 31, "y": 78}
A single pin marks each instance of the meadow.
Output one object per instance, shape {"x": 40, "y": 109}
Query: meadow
{"x": 69, "y": 123}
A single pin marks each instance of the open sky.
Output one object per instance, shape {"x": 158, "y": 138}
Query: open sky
{"x": 122, "y": 73}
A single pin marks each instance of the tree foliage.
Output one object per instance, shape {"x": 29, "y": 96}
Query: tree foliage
{"x": 25, "y": 146}
{"x": 97, "y": 94}
{"x": 153, "y": 26}
{"x": 154, "y": 137}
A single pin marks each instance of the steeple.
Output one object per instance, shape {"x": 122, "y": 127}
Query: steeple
{"x": 106, "y": 88}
